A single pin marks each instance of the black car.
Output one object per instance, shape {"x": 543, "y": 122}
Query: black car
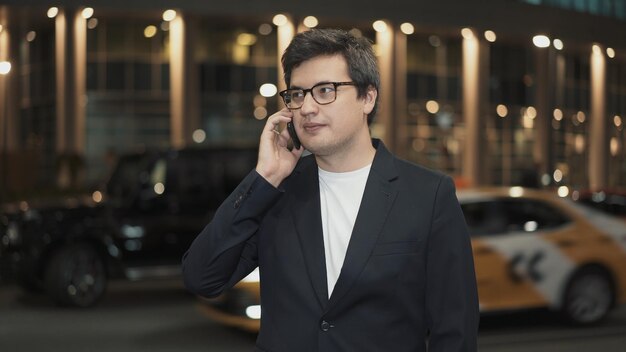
{"x": 137, "y": 227}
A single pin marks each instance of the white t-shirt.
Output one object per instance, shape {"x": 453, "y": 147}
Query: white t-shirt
{"x": 340, "y": 199}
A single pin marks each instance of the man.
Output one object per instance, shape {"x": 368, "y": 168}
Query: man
{"x": 357, "y": 250}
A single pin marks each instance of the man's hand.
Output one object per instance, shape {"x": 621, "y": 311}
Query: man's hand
{"x": 276, "y": 161}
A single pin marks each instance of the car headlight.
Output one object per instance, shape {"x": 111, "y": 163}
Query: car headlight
{"x": 12, "y": 237}
{"x": 32, "y": 215}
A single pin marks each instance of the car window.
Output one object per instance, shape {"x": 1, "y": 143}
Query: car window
{"x": 125, "y": 179}
{"x": 196, "y": 175}
{"x": 208, "y": 177}
{"x": 529, "y": 215}
{"x": 484, "y": 218}
{"x": 507, "y": 215}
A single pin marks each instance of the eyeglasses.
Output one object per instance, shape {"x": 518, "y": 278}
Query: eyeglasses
{"x": 322, "y": 93}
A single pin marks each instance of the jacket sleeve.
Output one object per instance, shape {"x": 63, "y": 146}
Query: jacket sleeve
{"x": 226, "y": 250}
{"x": 451, "y": 293}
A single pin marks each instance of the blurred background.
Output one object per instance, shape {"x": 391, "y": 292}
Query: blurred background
{"x": 494, "y": 92}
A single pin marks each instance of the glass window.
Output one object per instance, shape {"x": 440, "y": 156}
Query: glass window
{"x": 435, "y": 132}
{"x": 526, "y": 215}
{"x": 505, "y": 215}
{"x": 116, "y": 75}
{"x": 142, "y": 73}
{"x": 484, "y": 218}
{"x": 612, "y": 8}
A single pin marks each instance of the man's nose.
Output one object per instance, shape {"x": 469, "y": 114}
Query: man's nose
{"x": 309, "y": 104}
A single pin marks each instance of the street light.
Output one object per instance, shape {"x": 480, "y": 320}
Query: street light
{"x": 5, "y": 67}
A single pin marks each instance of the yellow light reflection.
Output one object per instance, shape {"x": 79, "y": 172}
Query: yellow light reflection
{"x": 240, "y": 53}
{"x": 169, "y": 15}
{"x": 432, "y": 106}
{"x": 150, "y": 31}
{"x": 617, "y": 120}
{"x": 407, "y": 28}
{"x": 541, "y": 41}
{"x": 5, "y": 67}
{"x": 502, "y": 110}
{"x": 198, "y": 136}
{"x": 490, "y": 36}
{"x": 265, "y": 29}
{"x": 246, "y": 39}
{"x": 280, "y": 20}
{"x": 87, "y": 13}
{"x": 610, "y": 52}
{"x": 516, "y": 192}
{"x": 531, "y": 112}
{"x": 558, "y": 44}
{"x": 579, "y": 143}
{"x": 97, "y": 196}
{"x": 380, "y": 26}
{"x": 259, "y": 100}
{"x": 310, "y": 21}
{"x": 614, "y": 146}
{"x": 159, "y": 188}
{"x": 92, "y": 23}
{"x": 527, "y": 122}
{"x": 563, "y": 191}
{"x": 52, "y": 12}
{"x": 268, "y": 90}
{"x": 558, "y": 114}
{"x": 30, "y": 36}
{"x": 260, "y": 112}
{"x": 467, "y": 33}
{"x": 596, "y": 49}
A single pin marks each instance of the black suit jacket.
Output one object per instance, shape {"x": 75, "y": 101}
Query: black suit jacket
{"x": 408, "y": 274}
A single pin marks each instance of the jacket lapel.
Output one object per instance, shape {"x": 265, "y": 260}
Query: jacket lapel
{"x": 308, "y": 222}
{"x": 377, "y": 200}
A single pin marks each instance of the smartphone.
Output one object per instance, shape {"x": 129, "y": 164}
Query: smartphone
{"x": 294, "y": 136}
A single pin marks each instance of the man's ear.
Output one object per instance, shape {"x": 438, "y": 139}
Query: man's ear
{"x": 370, "y": 99}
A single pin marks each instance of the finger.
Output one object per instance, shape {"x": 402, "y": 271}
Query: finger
{"x": 297, "y": 152}
{"x": 282, "y": 137}
{"x": 274, "y": 121}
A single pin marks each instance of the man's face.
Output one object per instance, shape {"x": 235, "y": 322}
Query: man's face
{"x": 332, "y": 128}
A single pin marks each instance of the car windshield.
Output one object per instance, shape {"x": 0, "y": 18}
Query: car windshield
{"x": 125, "y": 179}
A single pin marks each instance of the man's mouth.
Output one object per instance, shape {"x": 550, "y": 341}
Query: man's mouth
{"x": 312, "y": 127}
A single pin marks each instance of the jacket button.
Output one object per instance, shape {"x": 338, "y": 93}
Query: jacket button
{"x": 238, "y": 202}
{"x": 325, "y": 326}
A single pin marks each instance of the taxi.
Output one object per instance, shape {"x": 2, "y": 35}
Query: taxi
{"x": 532, "y": 249}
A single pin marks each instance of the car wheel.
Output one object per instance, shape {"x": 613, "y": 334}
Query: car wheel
{"x": 75, "y": 276}
{"x": 588, "y": 298}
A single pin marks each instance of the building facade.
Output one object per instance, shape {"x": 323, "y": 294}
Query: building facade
{"x": 493, "y": 92}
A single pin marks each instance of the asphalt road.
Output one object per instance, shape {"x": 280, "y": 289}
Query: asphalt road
{"x": 161, "y": 316}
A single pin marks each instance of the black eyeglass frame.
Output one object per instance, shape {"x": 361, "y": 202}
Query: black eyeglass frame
{"x": 310, "y": 90}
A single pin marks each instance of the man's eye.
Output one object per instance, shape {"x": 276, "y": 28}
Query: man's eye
{"x": 325, "y": 89}
{"x": 297, "y": 94}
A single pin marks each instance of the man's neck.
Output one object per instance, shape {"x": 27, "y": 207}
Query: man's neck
{"x": 354, "y": 157}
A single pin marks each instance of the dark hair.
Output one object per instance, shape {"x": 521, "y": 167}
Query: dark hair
{"x": 357, "y": 51}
